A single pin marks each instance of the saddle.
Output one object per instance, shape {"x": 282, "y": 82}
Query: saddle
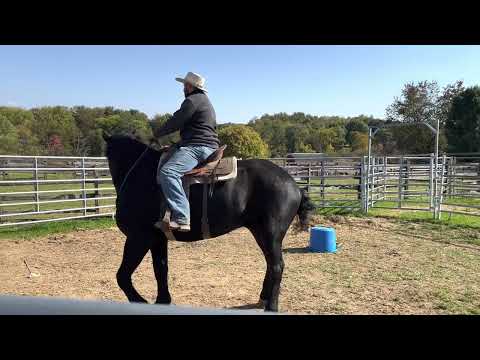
{"x": 214, "y": 169}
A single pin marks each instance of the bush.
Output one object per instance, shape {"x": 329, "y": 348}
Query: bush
{"x": 243, "y": 142}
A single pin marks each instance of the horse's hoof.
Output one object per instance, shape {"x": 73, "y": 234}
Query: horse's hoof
{"x": 163, "y": 302}
{"x": 262, "y": 304}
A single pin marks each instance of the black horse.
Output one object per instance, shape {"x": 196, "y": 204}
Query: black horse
{"x": 263, "y": 198}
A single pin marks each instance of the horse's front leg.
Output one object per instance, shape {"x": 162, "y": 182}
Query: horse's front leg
{"x": 136, "y": 246}
{"x": 159, "y": 251}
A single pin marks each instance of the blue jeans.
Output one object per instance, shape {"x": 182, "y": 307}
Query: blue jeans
{"x": 169, "y": 176}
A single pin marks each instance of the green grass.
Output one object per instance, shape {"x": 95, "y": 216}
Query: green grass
{"x": 450, "y": 302}
{"x": 38, "y": 230}
{"x": 449, "y": 220}
{"x": 455, "y": 220}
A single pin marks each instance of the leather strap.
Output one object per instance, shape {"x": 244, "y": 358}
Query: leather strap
{"x": 205, "y": 226}
{"x": 212, "y": 179}
{"x": 166, "y": 226}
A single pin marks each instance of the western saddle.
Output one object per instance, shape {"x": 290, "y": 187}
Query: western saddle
{"x": 214, "y": 169}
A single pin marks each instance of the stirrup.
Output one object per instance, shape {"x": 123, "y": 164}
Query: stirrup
{"x": 179, "y": 227}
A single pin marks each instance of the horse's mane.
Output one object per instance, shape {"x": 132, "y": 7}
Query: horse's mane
{"x": 120, "y": 140}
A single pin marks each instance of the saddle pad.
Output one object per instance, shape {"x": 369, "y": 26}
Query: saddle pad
{"x": 225, "y": 170}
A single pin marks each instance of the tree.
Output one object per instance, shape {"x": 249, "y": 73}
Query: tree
{"x": 8, "y": 137}
{"x": 355, "y": 125}
{"x": 85, "y": 140}
{"x": 22, "y": 120}
{"x": 243, "y": 142}
{"x": 297, "y": 139}
{"x": 156, "y": 123}
{"x": 422, "y": 102}
{"x": 127, "y": 122}
{"x": 418, "y": 103}
{"x": 55, "y": 146}
{"x": 446, "y": 98}
{"x": 326, "y": 138}
{"x": 96, "y": 143}
{"x": 51, "y": 122}
{"x": 359, "y": 142}
{"x": 463, "y": 122}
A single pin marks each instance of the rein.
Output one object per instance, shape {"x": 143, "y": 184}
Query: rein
{"x": 129, "y": 171}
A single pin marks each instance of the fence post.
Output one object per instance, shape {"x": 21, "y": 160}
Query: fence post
{"x": 84, "y": 188}
{"x": 367, "y": 184}
{"x": 322, "y": 182}
{"x": 430, "y": 190}
{"x": 440, "y": 198}
{"x": 453, "y": 173}
{"x": 372, "y": 181}
{"x": 384, "y": 176}
{"x": 407, "y": 179}
{"x": 363, "y": 186}
{"x": 309, "y": 175}
{"x": 96, "y": 194}
{"x": 400, "y": 182}
{"x": 37, "y": 200}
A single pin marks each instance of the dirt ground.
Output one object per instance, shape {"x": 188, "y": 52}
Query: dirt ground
{"x": 381, "y": 267}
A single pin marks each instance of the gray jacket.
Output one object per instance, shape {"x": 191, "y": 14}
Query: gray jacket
{"x": 196, "y": 121}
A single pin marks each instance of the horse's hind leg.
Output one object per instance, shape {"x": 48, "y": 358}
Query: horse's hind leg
{"x": 160, "y": 267}
{"x": 265, "y": 293}
{"x": 136, "y": 246}
{"x": 270, "y": 238}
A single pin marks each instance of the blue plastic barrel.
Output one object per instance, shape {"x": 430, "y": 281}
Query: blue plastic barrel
{"x": 323, "y": 239}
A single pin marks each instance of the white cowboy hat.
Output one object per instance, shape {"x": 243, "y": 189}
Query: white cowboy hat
{"x": 193, "y": 79}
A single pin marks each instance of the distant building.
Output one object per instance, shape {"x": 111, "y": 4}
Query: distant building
{"x": 296, "y": 158}
{"x": 306, "y": 155}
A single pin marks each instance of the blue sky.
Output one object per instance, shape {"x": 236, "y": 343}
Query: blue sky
{"x": 243, "y": 81}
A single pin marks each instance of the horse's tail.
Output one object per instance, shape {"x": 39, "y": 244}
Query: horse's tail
{"x": 304, "y": 211}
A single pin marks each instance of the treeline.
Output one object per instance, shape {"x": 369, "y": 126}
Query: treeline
{"x": 66, "y": 131}
{"x": 77, "y": 131}
{"x": 403, "y": 131}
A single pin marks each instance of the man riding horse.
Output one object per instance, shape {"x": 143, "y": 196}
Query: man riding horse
{"x": 196, "y": 121}
{"x": 261, "y": 197}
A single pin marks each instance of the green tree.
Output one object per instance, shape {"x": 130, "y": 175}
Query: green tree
{"x": 22, "y": 120}
{"x": 355, "y": 125}
{"x": 8, "y": 137}
{"x": 86, "y": 138}
{"x": 463, "y": 122}
{"x": 418, "y": 103}
{"x": 54, "y": 121}
{"x": 243, "y": 142}
{"x": 297, "y": 139}
{"x": 359, "y": 142}
{"x": 127, "y": 122}
{"x": 156, "y": 123}
{"x": 422, "y": 102}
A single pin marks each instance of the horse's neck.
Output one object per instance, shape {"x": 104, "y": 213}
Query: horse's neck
{"x": 123, "y": 169}
{"x": 133, "y": 167}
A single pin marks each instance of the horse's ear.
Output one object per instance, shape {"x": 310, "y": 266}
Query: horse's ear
{"x": 106, "y": 135}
